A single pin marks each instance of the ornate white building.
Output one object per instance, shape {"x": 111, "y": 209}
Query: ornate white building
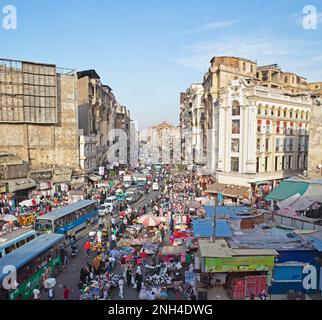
{"x": 262, "y": 134}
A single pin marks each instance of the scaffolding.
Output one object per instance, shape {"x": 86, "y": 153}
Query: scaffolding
{"x": 28, "y": 92}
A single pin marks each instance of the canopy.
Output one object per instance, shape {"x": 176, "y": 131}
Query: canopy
{"x": 194, "y": 204}
{"x": 29, "y": 203}
{"x": 9, "y": 218}
{"x": 94, "y": 177}
{"x": 288, "y": 202}
{"x": 287, "y": 189}
{"x": 149, "y": 220}
{"x": 290, "y": 212}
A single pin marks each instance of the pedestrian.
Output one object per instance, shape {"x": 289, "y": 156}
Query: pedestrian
{"x": 66, "y": 293}
{"x": 36, "y": 293}
{"x": 129, "y": 276}
{"x": 123, "y": 266}
{"x": 138, "y": 281}
{"x": 51, "y": 293}
{"x": 87, "y": 247}
{"x": 121, "y": 286}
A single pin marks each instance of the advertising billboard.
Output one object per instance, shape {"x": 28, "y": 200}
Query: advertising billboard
{"x": 240, "y": 264}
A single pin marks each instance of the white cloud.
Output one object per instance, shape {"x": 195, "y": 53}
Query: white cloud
{"x": 214, "y": 25}
{"x": 294, "y": 55}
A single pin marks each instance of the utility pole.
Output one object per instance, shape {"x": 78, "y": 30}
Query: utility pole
{"x": 214, "y": 220}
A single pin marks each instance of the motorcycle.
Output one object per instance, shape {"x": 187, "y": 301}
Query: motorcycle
{"x": 74, "y": 249}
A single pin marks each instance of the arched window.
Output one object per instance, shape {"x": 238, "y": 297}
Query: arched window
{"x": 236, "y": 108}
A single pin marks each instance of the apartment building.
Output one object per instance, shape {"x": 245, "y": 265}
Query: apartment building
{"x": 263, "y": 134}
{"x": 257, "y": 122}
{"x": 38, "y": 117}
{"x": 97, "y": 105}
{"x": 192, "y": 124}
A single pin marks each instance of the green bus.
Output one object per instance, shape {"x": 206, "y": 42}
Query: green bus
{"x": 34, "y": 262}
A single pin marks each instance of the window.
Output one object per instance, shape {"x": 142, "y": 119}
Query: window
{"x": 290, "y": 162}
{"x": 257, "y": 165}
{"x": 283, "y": 162}
{"x": 266, "y": 164}
{"x": 235, "y": 145}
{"x": 267, "y": 145}
{"x": 277, "y": 147}
{"x": 236, "y": 108}
{"x": 284, "y": 114}
{"x": 298, "y": 162}
{"x": 258, "y": 145}
{"x": 235, "y": 164}
{"x": 236, "y": 127}
{"x": 276, "y": 163}
{"x": 279, "y": 112}
{"x": 244, "y": 66}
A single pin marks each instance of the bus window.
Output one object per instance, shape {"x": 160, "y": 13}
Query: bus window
{"x": 10, "y": 249}
{"x": 30, "y": 238}
{"x": 20, "y": 243}
{"x": 43, "y": 226}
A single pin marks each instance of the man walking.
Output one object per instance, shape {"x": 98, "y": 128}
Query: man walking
{"x": 121, "y": 286}
{"x": 66, "y": 293}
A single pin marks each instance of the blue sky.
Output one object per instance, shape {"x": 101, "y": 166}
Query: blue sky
{"x": 149, "y": 51}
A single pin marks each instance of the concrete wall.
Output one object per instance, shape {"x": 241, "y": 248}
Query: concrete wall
{"x": 45, "y": 145}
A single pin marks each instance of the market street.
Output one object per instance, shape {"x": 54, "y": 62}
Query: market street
{"x": 70, "y": 275}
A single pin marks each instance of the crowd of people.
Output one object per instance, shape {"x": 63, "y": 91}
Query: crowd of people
{"x": 111, "y": 266}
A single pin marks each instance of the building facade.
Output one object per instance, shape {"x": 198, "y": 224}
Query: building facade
{"x": 263, "y": 134}
{"x": 256, "y": 122}
{"x": 39, "y": 114}
{"x": 192, "y": 124}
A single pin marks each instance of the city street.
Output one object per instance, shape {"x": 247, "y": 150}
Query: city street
{"x": 69, "y": 277}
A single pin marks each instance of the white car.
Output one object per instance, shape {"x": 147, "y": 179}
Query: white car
{"x": 105, "y": 208}
{"x": 155, "y": 186}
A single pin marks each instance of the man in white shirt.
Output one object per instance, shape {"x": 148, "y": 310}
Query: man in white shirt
{"x": 36, "y": 293}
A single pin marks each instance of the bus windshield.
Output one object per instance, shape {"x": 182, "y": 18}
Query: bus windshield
{"x": 44, "y": 226}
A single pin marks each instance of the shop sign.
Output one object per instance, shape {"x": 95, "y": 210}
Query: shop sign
{"x": 101, "y": 171}
{"x": 240, "y": 264}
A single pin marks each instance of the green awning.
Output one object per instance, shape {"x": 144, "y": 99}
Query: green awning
{"x": 287, "y": 189}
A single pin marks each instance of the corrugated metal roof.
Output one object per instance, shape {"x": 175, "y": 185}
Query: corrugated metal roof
{"x": 317, "y": 243}
{"x": 256, "y": 252}
{"x": 203, "y": 229}
{"x": 232, "y": 212}
{"x": 287, "y": 189}
{"x": 29, "y": 251}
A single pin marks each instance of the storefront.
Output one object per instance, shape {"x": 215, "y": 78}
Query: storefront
{"x": 21, "y": 188}
{"x": 242, "y": 272}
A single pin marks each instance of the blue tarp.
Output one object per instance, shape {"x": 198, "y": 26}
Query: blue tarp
{"x": 317, "y": 243}
{"x": 226, "y": 211}
{"x": 203, "y": 229}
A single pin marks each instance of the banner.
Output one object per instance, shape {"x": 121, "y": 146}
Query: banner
{"x": 240, "y": 264}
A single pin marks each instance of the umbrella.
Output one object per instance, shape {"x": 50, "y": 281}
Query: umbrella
{"x": 149, "y": 220}
{"x": 9, "y": 218}
{"x": 194, "y": 204}
{"x": 50, "y": 283}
